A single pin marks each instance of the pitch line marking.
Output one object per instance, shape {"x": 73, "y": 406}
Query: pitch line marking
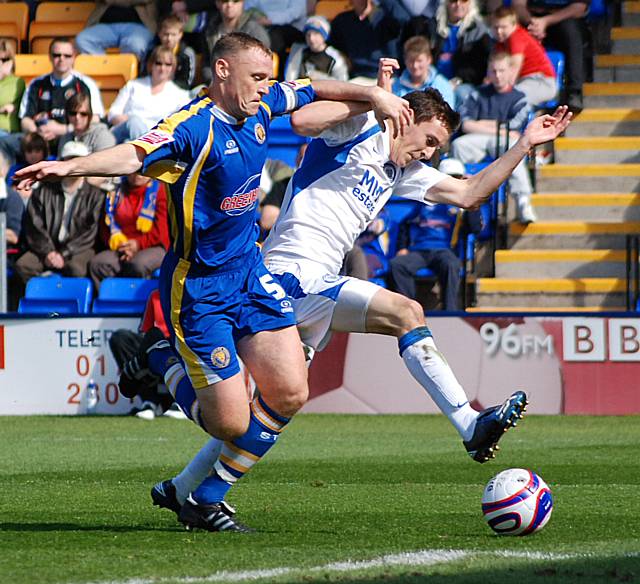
{"x": 418, "y": 558}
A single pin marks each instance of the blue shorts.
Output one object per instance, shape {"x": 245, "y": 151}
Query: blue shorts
{"x": 208, "y": 310}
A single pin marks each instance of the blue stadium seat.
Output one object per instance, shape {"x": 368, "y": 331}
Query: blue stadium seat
{"x": 399, "y": 210}
{"x": 557, "y": 60}
{"x": 283, "y": 142}
{"x": 123, "y": 295}
{"x": 57, "y": 294}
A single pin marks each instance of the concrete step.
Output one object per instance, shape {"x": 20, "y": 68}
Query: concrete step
{"x": 608, "y": 207}
{"x": 585, "y": 150}
{"x": 614, "y": 68}
{"x": 626, "y": 40}
{"x": 605, "y": 122}
{"x": 543, "y": 293}
{"x": 631, "y": 14}
{"x": 593, "y": 178}
{"x": 611, "y": 95}
{"x": 560, "y": 263}
{"x": 571, "y": 235}
{"x": 553, "y": 309}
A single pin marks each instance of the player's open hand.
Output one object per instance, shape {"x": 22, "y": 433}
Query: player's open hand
{"x": 548, "y": 127}
{"x": 45, "y": 170}
{"x": 386, "y": 67}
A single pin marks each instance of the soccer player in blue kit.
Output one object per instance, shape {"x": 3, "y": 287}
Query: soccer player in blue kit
{"x": 219, "y": 300}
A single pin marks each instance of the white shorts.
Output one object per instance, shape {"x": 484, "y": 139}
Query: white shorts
{"x": 324, "y": 302}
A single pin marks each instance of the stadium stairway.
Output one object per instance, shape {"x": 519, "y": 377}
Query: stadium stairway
{"x": 573, "y": 258}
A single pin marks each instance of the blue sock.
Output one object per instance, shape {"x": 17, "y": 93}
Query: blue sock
{"x": 238, "y": 456}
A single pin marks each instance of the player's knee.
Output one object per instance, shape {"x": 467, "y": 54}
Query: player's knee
{"x": 228, "y": 429}
{"x": 289, "y": 398}
{"x": 409, "y": 314}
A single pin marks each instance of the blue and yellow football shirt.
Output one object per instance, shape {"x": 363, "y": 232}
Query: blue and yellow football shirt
{"x": 213, "y": 163}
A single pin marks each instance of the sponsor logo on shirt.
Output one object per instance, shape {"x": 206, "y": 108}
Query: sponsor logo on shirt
{"x": 231, "y": 147}
{"x": 259, "y": 132}
{"x": 243, "y": 200}
{"x": 156, "y": 138}
{"x": 368, "y": 190}
{"x": 220, "y": 357}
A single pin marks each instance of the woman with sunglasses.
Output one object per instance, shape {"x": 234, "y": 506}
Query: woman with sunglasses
{"x": 461, "y": 45}
{"x": 145, "y": 100}
{"x": 11, "y": 90}
{"x": 82, "y": 128}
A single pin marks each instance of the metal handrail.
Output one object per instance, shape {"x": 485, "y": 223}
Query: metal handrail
{"x": 632, "y": 268}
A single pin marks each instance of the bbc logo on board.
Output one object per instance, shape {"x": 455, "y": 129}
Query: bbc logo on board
{"x": 599, "y": 339}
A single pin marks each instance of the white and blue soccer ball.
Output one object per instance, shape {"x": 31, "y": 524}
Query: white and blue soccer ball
{"x": 517, "y": 502}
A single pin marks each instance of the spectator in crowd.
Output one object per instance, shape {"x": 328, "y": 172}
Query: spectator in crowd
{"x": 195, "y": 15}
{"x": 170, "y": 33}
{"x": 534, "y": 73}
{"x": 83, "y": 127}
{"x": 419, "y": 72}
{"x": 481, "y": 111}
{"x": 128, "y": 25}
{"x": 560, "y": 24}
{"x": 426, "y": 241}
{"x": 11, "y": 90}
{"x": 413, "y": 15}
{"x": 284, "y": 20}
{"x": 60, "y": 226}
{"x": 364, "y": 35}
{"x": 154, "y": 397}
{"x": 461, "y": 42}
{"x": 374, "y": 242}
{"x": 33, "y": 148}
{"x": 11, "y": 205}
{"x": 315, "y": 59}
{"x": 42, "y": 106}
{"x": 135, "y": 231}
{"x": 145, "y": 100}
{"x": 231, "y": 17}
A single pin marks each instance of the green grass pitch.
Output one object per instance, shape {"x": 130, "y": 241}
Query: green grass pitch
{"x": 357, "y": 499}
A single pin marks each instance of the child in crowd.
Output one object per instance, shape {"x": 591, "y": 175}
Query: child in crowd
{"x": 169, "y": 35}
{"x": 534, "y": 73}
{"x": 315, "y": 58}
{"x": 420, "y": 72}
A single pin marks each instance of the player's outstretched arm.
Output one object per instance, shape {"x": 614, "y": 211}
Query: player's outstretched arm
{"x": 318, "y": 116}
{"x": 386, "y": 105}
{"x": 116, "y": 161}
{"x": 471, "y": 193}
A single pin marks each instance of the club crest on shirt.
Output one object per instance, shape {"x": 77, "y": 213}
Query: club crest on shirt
{"x": 390, "y": 170}
{"x": 220, "y": 357}
{"x": 259, "y": 132}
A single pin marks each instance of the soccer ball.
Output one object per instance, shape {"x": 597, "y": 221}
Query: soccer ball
{"x": 517, "y": 502}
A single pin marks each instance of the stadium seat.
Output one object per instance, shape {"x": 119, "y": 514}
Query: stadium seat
{"x": 17, "y": 14}
{"x": 30, "y": 66}
{"x": 283, "y": 142}
{"x": 123, "y": 295}
{"x": 42, "y": 33}
{"x": 331, "y": 8}
{"x": 110, "y": 72}
{"x": 557, "y": 60}
{"x": 47, "y": 294}
{"x": 399, "y": 210}
{"x": 64, "y": 11}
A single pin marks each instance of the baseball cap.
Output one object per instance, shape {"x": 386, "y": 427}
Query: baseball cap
{"x": 73, "y": 149}
{"x": 452, "y": 167}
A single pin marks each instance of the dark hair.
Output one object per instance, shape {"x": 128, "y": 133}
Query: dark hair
{"x": 77, "y": 100}
{"x": 504, "y": 12}
{"x": 429, "y": 104}
{"x": 63, "y": 39}
{"x": 235, "y": 42}
{"x": 33, "y": 142}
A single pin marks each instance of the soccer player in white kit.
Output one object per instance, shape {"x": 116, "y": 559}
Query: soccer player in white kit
{"x": 346, "y": 177}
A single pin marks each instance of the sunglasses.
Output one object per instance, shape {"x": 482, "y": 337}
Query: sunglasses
{"x": 61, "y": 55}
{"x": 5, "y": 59}
{"x": 81, "y": 114}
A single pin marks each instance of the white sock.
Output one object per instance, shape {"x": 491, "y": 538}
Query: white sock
{"x": 431, "y": 370}
{"x": 197, "y": 470}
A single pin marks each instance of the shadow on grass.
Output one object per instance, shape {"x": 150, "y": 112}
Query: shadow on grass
{"x": 583, "y": 571}
{"x": 38, "y": 527}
